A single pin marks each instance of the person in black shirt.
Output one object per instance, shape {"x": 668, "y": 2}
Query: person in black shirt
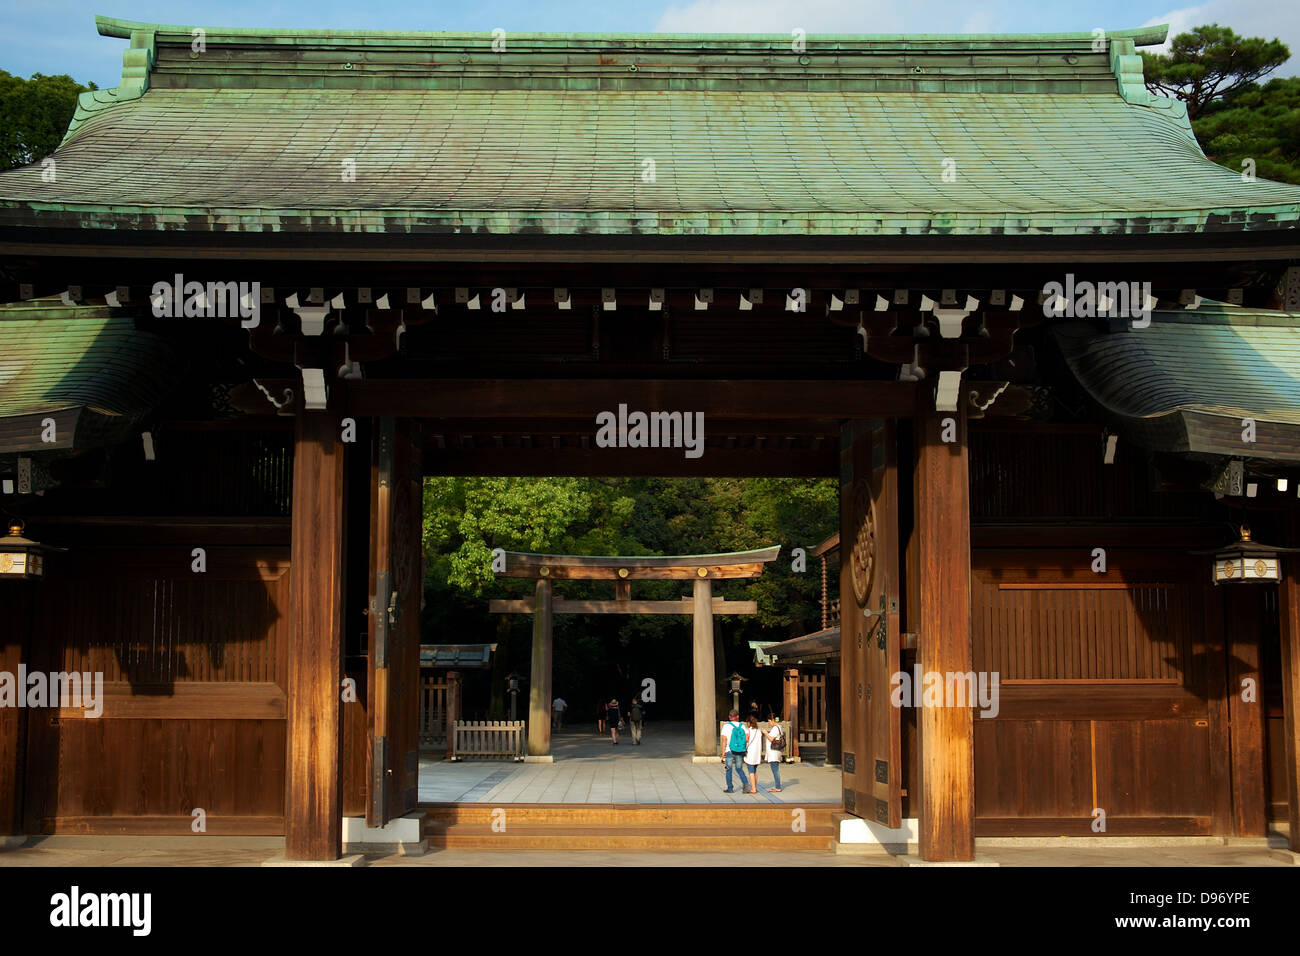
{"x": 615, "y": 717}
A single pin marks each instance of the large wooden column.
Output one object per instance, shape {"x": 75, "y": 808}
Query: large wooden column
{"x": 313, "y": 798}
{"x": 707, "y": 737}
{"x": 942, "y": 529}
{"x": 791, "y": 708}
{"x": 1248, "y": 750}
{"x": 539, "y": 687}
{"x": 1289, "y": 634}
{"x": 19, "y": 598}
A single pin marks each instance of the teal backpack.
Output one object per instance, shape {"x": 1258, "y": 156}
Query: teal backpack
{"x": 737, "y": 742}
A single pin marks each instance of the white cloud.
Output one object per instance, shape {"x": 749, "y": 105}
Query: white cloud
{"x": 1251, "y": 18}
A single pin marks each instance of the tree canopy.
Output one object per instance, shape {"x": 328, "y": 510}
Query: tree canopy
{"x": 1259, "y": 128}
{"x": 34, "y": 115}
{"x": 465, "y": 518}
{"x": 1210, "y": 62}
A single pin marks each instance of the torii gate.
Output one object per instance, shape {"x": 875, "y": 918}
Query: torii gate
{"x": 702, "y": 569}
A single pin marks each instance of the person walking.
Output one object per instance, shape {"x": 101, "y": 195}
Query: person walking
{"x": 753, "y": 751}
{"x": 558, "y": 707}
{"x": 634, "y": 716}
{"x": 602, "y": 709}
{"x": 615, "y": 718}
{"x": 733, "y": 749}
{"x": 775, "y": 751}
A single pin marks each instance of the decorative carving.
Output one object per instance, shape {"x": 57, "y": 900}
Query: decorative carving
{"x": 862, "y": 559}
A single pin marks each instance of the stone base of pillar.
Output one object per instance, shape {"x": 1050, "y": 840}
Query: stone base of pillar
{"x": 717, "y": 760}
{"x": 12, "y": 842}
{"x": 917, "y": 861}
{"x": 540, "y": 758}
{"x": 355, "y": 859}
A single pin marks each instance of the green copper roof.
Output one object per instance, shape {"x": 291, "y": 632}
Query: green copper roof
{"x": 330, "y": 131}
{"x": 1186, "y": 382}
{"x": 92, "y": 372}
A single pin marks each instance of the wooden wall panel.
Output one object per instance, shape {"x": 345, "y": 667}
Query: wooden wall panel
{"x": 194, "y": 670}
{"x": 1105, "y": 699}
{"x": 1043, "y": 768}
{"x": 162, "y": 768}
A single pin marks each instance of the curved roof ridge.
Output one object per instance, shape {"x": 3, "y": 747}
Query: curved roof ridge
{"x": 1151, "y": 35}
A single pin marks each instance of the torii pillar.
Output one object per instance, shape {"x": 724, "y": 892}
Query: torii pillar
{"x": 539, "y": 685}
{"x": 707, "y": 737}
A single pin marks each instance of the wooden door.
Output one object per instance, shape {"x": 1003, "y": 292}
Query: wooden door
{"x": 394, "y": 620}
{"x": 869, "y": 622}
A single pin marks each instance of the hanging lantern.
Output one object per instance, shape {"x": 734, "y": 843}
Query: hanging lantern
{"x": 1247, "y": 560}
{"x": 22, "y": 559}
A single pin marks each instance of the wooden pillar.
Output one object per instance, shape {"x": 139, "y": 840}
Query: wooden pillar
{"x": 20, "y": 602}
{"x": 792, "y": 709}
{"x": 313, "y": 799}
{"x": 539, "y": 688}
{"x": 707, "y": 739}
{"x": 1246, "y": 719}
{"x": 1289, "y": 634}
{"x": 942, "y": 529}
{"x": 451, "y": 713}
{"x": 833, "y": 718}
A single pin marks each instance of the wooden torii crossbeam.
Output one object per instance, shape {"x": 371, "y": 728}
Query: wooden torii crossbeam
{"x": 702, "y": 569}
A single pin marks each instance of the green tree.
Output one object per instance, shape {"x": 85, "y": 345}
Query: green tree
{"x": 1259, "y": 128}
{"x": 34, "y": 115}
{"x": 596, "y": 655}
{"x": 1211, "y": 62}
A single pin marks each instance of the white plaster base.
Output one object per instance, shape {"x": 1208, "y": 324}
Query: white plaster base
{"x": 855, "y": 830}
{"x": 544, "y": 758}
{"x": 403, "y": 835}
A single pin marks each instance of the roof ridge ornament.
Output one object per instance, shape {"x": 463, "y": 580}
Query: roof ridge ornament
{"x": 137, "y": 61}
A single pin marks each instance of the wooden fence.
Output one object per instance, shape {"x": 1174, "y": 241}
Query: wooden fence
{"x": 812, "y": 708}
{"x": 433, "y": 713}
{"x": 488, "y": 740}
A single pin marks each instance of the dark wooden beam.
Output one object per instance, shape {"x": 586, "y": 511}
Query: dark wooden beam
{"x": 768, "y": 462}
{"x": 942, "y": 529}
{"x": 683, "y": 606}
{"x": 585, "y": 398}
{"x": 313, "y": 797}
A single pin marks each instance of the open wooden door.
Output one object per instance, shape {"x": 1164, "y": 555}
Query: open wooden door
{"x": 396, "y": 510}
{"x": 869, "y": 621}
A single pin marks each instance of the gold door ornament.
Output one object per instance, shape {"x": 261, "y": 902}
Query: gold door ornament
{"x": 862, "y": 558}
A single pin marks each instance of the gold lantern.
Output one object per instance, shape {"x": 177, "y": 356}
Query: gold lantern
{"x": 22, "y": 559}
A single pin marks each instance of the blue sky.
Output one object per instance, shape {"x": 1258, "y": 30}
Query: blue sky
{"x": 58, "y": 36}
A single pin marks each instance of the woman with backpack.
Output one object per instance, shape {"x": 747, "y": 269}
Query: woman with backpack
{"x": 753, "y": 751}
{"x": 775, "y": 750}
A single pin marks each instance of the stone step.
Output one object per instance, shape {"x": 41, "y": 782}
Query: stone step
{"x": 604, "y": 837}
{"x": 737, "y": 817}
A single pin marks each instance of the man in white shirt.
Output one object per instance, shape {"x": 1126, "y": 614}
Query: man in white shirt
{"x": 558, "y": 707}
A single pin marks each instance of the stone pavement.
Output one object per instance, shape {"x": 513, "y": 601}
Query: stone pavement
{"x": 591, "y": 770}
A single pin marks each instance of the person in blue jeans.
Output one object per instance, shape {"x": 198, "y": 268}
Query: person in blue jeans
{"x": 733, "y": 750}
